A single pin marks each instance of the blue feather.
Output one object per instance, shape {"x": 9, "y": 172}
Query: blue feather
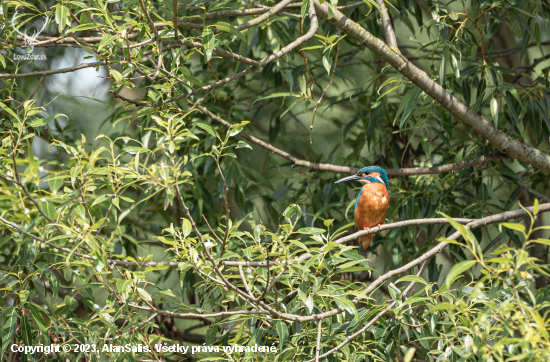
{"x": 358, "y": 197}
{"x": 380, "y": 170}
{"x": 360, "y": 251}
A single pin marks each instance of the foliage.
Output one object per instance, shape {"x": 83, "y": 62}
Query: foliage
{"x": 168, "y": 223}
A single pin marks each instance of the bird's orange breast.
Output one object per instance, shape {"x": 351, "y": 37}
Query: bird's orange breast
{"x": 372, "y": 206}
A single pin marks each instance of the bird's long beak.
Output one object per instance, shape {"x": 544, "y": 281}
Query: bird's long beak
{"x": 349, "y": 179}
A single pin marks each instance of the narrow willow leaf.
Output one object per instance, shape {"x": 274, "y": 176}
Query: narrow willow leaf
{"x": 9, "y": 328}
{"x": 412, "y": 278}
{"x": 282, "y": 331}
{"x": 144, "y": 294}
{"x": 459, "y": 269}
{"x": 208, "y": 41}
{"x": 494, "y": 111}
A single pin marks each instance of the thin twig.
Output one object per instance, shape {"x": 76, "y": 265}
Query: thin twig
{"x": 32, "y": 94}
{"x": 245, "y": 283}
{"x": 207, "y": 223}
{"x": 176, "y": 35}
{"x": 305, "y": 60}
{"x": 372, "y": 321}
{"x": 386, "y": 24}
{"x": 318, "y": 346}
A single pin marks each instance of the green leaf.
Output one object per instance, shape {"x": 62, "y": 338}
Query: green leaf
{"x": 46, "y": 120}
{"x": 326, "y": 62}
{"x": 12, "y": 113}
{"x": 105, "y": 41}
{"x": 311, "y": 231}
{"x": 101, "y": 199}
{"x": 122, "y": 285}
{"x": 466, "y": 233}
{"x": 494, "y": 111}
{"x": 540, "y": 241}
{"x": 144, "y": 294}
{"x": 309, "y": 304}
{"x": 115, "y": 74}
{"x": 84, "y": 27}
{"x": 32, "y": 163}
{"x": 75, "y": 171}
{"x": 395, "y": 292}
{"x": 302, "y": 290}
{"x": 347, "y": 305}
{"x": 94, "y": 155}
{"x": 185, "y": 227}
{"x": 231, "y": 29}
{"x": 442, "y": 306}
{"x": 38, "y": 318}
{"x": 208, "y": 129}
{"x": 9, "y": 328}
{"x": 282, "y": 331}
{"x": 208, "y": 41}
{"x": 459, "y": 269}
{"x": 277, "y": 95}
{"x": 304, "y": 9}
{"x": 412, "y": 278}
{"x": 243, "y": 144}
{"x": 55, "y": 182}
{"x": 26, "y": 330}
{"x": 454, "y": 63}
{"x": 415, "y": 94}
{"x": 61, "y": 16}
{"x": 167, "y": 292}
{"x": 135, "y": 150}
{"x": 517, "y": 227}
{"x": 70, "y": 303}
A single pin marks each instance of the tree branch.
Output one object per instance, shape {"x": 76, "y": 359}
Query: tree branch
{"x": 313, "y": 166}
{"x": 264, "y": 308}
{"x": 455, "y": 106}
{"x": 372, "y": 321}
{"x": 386, "y": 24}
{"x": 54, "y": 71}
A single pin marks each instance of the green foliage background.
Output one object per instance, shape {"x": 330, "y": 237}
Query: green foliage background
{"x": 104, "y": 166}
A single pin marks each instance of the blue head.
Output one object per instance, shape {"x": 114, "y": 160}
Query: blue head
{"x": 367, "y": 175}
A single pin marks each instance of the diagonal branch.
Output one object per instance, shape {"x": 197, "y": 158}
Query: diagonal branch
{"x": 455, "y": 106}
{"x": 266, "y": 309}
{"x": 314, "y": 166}
{"x": 372, "y": 321}
{"x": 285, "y": 50}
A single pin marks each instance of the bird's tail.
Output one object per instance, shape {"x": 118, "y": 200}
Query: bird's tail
{"x": 364, "y": 242}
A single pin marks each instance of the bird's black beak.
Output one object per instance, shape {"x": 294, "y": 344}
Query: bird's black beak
{"x": 349, "y": 179}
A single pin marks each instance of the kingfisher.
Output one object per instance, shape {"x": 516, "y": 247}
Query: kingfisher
{"x": 371, "y": 205}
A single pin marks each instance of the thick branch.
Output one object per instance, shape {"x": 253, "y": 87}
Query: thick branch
{"x": 455, "y": 106}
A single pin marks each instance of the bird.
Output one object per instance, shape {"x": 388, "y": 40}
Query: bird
{"x": 371, "y": 205}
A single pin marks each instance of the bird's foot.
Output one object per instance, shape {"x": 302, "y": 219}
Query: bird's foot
{"x": 379, "y": 226}
{"x": 367, "y": 228}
